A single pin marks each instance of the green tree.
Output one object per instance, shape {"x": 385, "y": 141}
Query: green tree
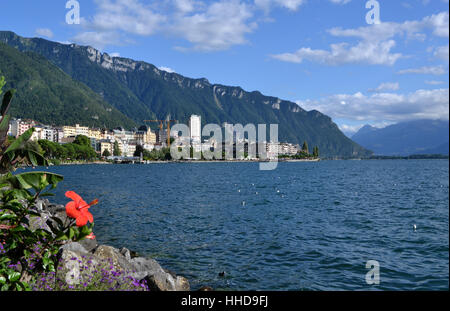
{"x": 116, "y": 151}
{"x": 82, "y": 140}
{"x": 139, "y": 150}
{"x": 316, "y": 152}
{"x": 305, "y": 147}
{"x": 106, "y": 153}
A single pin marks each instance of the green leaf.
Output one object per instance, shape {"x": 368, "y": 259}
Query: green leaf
{"x": 2, "y": 280}
{"x": 4, "y": 127}
{"x": 32, "y": 158}
{"x": 7, "y": 102}
{"x": 14, "y": 277}
{"x": 20, "y": 141}
{"x": 72, "y": 232}
{"x": 35, "y": 180}
{"x": 61, "y": 237}
{"x": 18, "y": 229}
{"x": 7, "y": 216}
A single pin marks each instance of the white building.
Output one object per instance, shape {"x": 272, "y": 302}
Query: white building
{"x": 19, "y": 126}
{"x": 195, "y": 126}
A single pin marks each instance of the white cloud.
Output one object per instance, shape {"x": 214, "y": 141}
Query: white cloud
{"x": 185, "y": 6}
{"x": 437, "y": 23}
{"x": 426, "y": 70}
{"x": 375, "y": 45}
{"x": 217, "y": 27}
{"x": 373, "y": 53}
{"x": 387, "y": 86}
{"x": 167, "y": 69}
{"x": 349, "y": 130}
{"x": 207, "y": 26}
{"x": 130, "y": 16}
{"x": 340, "y": 1}
{"x": 44, "y": 32}
{"x": 292, "y": 5}
{"x": 98, "y": 39}
{"x": 442, "y": 53}
{"x": 421, "y": 104}
{"x": 434, "y": 82}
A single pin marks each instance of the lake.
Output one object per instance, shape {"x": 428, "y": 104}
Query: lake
{"x": 303, "y": 226}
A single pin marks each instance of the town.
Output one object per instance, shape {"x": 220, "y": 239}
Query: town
{"x": 120, "y": 144}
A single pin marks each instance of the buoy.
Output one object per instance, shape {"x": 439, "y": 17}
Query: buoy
{"x": 415, "y": 227}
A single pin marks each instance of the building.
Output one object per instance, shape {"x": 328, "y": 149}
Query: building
{"x": 105, "y": 144}
{"x": 75, "y": 130}
{"x": 19, "y": 126}
{"x": 95, "y": 133}
{"x": 125, "y": 136}
{"x": 195, "y": 126}
{"x": 145, "y": 136}
{"x": 161, "y": 137}
{"x": 128, "y": 149}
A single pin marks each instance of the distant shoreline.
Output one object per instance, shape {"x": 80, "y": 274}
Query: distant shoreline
{"x": 256, "y": 161}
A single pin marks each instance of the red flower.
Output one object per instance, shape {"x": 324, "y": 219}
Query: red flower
{"x": 91, "y": 236}
{"x": 78, "y": 209}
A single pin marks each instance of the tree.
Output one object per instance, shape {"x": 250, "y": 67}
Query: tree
{"x": 139, "y": 150}
{"x": 106, "y": 153}
{"x": 116, "y": 151}
{"x": 305, "y": 147}
{"x": 316, "y": 152}
{"x": 82, "y": 140}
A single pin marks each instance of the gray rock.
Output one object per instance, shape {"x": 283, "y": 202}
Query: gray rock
{"x": 39, "y": 222}
{"x": 72, "y": 263}
{"x": 118, "y": 260}
{"x": 126, "y": 252}
{"x": 75, "y": 247}
{"x": 89, "y": 245}
{"x": 157, "y": 278}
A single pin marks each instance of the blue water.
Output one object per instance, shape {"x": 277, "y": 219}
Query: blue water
{"x": 303, "y": 226}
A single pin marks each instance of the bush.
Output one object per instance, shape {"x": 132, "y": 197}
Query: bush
{"x": 25, "y": 249}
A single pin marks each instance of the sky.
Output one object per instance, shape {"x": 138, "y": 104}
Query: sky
{"x": 336, "y": 56}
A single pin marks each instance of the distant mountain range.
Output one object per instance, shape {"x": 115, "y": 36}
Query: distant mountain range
{"x": 136, "y": 91}
{"x": 406, "y": 138}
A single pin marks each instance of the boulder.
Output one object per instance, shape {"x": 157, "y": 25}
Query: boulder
{"x": 75, "y": 266}
{"x": 157, "y": 278}
{"x": 118, "y": 260}
{"x": 89, "y": 245}
{"x": 75, "y": 247}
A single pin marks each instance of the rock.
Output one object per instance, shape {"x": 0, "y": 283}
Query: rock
{"x": 205, "y": 289}
{"x": 71, "y": 266}
{"x": 182, "y": 284}
{"x": 39, "y": 222}
{"x": 89, "y": 245}
{"x": 75, "y": 247}
{"x": 157, "y": 278}
{"x": 118, "y": 260}
{"x": 126, "y": 252}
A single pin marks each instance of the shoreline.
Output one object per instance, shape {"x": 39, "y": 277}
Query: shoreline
{"x": 236, "y": 161}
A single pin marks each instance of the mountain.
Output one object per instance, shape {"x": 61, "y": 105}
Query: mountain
{"x": 48, "y": 95}
{"x": 365, "y": 130}
{"x": 142, "y": 91}
{"x": 406, "y": 138}
{"x": 441, "y": 149}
